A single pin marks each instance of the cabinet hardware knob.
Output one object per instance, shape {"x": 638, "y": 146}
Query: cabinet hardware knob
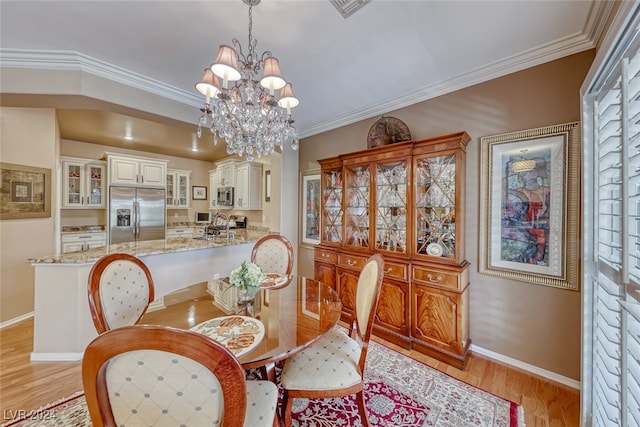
{"x": 436, "y": 280}
{"x": 351, "y": 263}
{"x": 388, "y": 270}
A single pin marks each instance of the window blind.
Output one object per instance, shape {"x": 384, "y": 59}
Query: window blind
{"x": 611, "y": 384}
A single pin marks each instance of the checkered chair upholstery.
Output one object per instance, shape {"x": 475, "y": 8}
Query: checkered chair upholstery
{"x": 334, "y": 366}
{"x": 120, "y": 290}
{"x": 160, "y": 376}
{"x": 273, "y": 254}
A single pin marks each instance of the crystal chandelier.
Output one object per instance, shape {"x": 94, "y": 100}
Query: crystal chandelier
{"x": 241, "y": 107}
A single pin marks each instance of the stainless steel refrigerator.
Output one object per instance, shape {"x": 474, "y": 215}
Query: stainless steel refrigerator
{"x": 136, "y": 214}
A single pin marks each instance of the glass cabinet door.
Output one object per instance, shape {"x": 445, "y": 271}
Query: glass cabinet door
{"x": 435, "y": 179}
{"x": 391, "y": 207}
{"x": 331, "y": 206}
{"x": 183, "y": 190}
{"x": 170, "y": 187}
{"x": 95, "y": 195}
{"x": 73, "y": 180}
{"x": 356, "y": 206}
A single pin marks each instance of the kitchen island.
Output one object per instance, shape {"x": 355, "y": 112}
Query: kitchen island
{"x": 62, "y": 321}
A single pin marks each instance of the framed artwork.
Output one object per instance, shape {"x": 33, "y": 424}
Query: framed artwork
{"x": 267, "y": 186}
{"x": 198, "y": 192}
{"x": 25, "y": 192}
{"x": 310, "y": 208}
{"x": 529, "y": 205}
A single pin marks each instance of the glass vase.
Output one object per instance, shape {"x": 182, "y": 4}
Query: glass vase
{"x": 245, "y": 300}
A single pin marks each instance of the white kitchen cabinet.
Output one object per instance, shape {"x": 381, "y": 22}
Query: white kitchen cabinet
{"x": 226, "y": 173}
{"x": 179, "y": 232}
{"x": 136, "y": 171}
{"x": 178, "y": 182}
{"x": 213, "y": 188}
{"x": 73, "y": 242}
{"x": 248, "y": 186}
{"x": 83, "y": 183}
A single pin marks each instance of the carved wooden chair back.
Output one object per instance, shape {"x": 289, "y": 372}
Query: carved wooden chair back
{"x": 120, "y": 290}
{"x": 156, "y": 375}
{"x": 273, "y": 254}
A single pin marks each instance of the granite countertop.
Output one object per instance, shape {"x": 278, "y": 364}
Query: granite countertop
{"x": 150, "y": 247}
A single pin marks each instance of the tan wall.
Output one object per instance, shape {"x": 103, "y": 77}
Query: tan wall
{"x": 535, "y": 324}
{"x": 27, "y": 137}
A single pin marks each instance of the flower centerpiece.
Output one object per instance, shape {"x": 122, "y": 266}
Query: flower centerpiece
{"x": 247, "y": 279}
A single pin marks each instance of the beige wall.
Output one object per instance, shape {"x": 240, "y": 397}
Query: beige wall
{"x": 27, "y": 137}
{"x": 535, "y": 324}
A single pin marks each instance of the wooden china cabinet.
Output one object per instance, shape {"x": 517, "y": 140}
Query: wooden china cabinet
{"x": 406, "y": 202}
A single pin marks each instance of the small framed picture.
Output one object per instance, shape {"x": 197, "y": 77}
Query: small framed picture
{"x": 199, "y": 193}
{"x": 25, "y": 192}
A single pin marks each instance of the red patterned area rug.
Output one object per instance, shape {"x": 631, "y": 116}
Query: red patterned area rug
{"x": 400, "y": 391}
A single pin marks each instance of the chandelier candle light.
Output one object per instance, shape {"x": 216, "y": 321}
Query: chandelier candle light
{"x": 246, "y": 113}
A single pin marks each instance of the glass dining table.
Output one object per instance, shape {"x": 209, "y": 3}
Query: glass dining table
{"x": 286, "y": 319}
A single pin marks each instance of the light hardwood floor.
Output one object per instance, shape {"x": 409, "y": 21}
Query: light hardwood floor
{"x": 26, "y": 385}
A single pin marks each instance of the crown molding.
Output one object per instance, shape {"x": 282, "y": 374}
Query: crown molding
{"x": 61, "y": 60}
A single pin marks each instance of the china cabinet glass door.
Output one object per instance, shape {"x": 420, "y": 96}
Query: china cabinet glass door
{"x": 332, "y": 206}
{"x": 356, "y": 201}
{"x": 435, "y": 179}
{"x": 391, "y": 207}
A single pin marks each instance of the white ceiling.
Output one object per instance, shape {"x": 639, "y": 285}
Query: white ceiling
{"x": 388, "y": 55}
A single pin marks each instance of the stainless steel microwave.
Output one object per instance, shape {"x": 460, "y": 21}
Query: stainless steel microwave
{"x": 225, "y": 196}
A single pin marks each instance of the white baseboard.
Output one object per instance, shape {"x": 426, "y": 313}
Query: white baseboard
{"x": 527, "y": 367}
{"x": 16, "y": 320}
{"x": 156, "y": 305}
{"x": 56, "y": 357}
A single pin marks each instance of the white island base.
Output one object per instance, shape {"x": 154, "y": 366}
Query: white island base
{"x": 62, "y": 322}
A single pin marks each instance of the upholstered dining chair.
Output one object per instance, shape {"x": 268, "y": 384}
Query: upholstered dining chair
{"x": 120, "y": 290}
{"x": 334, "y": 366}
{"x": 273, "y": 253}
{"x": 160, "y": 376}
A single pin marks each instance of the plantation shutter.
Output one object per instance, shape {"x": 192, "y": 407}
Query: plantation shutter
{"x": 611, "y": 347}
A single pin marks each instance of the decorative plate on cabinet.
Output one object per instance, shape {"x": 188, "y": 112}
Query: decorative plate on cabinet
{"x": 435, "y": 249}
{"x": 387, "y": 130}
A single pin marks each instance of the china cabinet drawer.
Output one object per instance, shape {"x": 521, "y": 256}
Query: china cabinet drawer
{"x": 351, "y": 261}
{"x": 440, "y": 278}
{"x": 396, "y": 270}
{"x": 325, "y": 255}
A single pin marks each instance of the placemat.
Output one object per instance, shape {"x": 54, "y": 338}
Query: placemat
{"x": 240, "y": 334}
{"x": 274, "y": 279}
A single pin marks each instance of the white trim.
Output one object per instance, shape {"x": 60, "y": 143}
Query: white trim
{"x": 527, "y": 367}
{"x": 16, "y": 320}
{"x": 156, "y": 304}
{"x": 56, "y": 357}
{"x": 75, "y": 61}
